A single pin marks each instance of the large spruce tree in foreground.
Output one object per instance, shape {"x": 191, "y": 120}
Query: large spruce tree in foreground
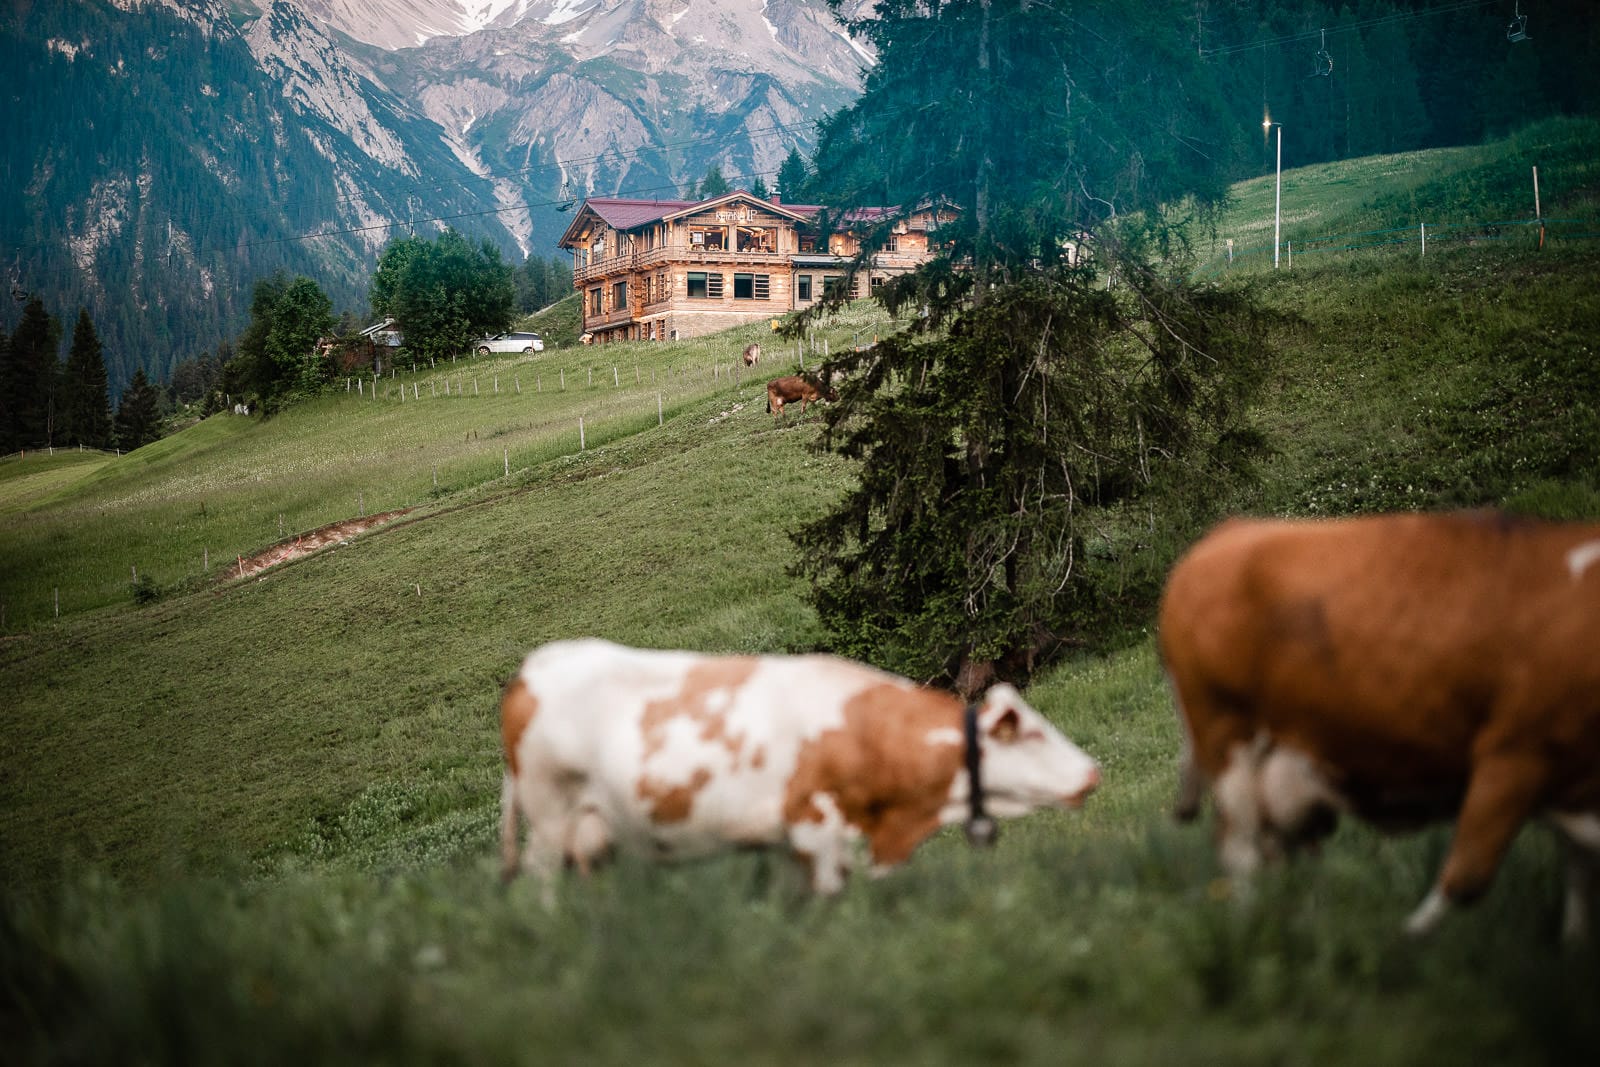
{"x": 1037, "y": 438}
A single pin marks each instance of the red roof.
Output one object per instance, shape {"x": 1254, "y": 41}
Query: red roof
{"x": 626, "y": 214}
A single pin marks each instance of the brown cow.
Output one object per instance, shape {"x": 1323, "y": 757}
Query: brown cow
{"x": 1402, "y": 668}
{"x": 752, "y": 354}
{"x": 801, "y": 387}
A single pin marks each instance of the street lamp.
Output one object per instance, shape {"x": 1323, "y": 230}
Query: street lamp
{"x": 1277, "y": 205}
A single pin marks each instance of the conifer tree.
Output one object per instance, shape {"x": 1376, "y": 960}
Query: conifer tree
{"x": 86, "y": 406}
{"x": 138, "y": 419}
{"x": 758, "y": 188}
{"x": 1008, "y": 434}
{"x": 793, "y": 176}
{"x": 28, "y": 378}
{"x": 713, "y": 184}
{"x": 7, "y": 442}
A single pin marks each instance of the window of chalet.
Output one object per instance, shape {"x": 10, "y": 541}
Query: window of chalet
{"x": 808, "y": 242}
{"x": 594, "y": 301}
{"x": 757, "y": 239}
{"x": 751, "y": 286}
{"x": 704, "y": 286}
{"x": 875, "y": 284}
{"x": 708, "y": 238}
{"x": 831, "y": 283}
{"x": 802, "y": 288}
{"x": 619, "y": 295}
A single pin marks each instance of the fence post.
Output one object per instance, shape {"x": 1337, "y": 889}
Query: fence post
{"x": 582, "y": 443}
{"x": 659, "y": 419}
{"x": 1538, "y": 212}
{"x": 505, "y": 455}
{"x": 1424, "y": 231}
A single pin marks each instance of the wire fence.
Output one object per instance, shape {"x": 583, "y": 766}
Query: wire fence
{"x": 1424, "y": 236}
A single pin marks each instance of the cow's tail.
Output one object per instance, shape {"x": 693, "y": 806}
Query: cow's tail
{"x": 508, "y": 828}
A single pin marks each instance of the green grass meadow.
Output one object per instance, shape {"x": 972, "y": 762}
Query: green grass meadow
{"x": 255, "y": 821}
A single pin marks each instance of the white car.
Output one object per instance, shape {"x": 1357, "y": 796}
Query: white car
{"x": 511, "y": 342}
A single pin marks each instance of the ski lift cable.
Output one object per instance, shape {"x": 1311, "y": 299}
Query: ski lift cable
{"x": 1453, "y": 7}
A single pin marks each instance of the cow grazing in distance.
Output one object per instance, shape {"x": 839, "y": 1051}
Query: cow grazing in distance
{"x": 677, "y": 755}
{"x": 1405, "y": 669}
{"x": 752, "y": 354}
{"x": 797, "y": 387}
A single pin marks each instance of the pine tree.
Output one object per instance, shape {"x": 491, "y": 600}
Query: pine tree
{"x": 713, "y": 184}
{"x": 1027, "y": 411}
{"x": 758, "y": 188}
{"x": 7, "y": 435}
{"x": 793, "y": 176}
{"x": 86, "y": 407}
{"x": 28, "y": 378}
{"x": 138, "y": 419}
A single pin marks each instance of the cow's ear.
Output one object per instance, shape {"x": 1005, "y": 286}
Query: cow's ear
{"x": 1006, "y": 727}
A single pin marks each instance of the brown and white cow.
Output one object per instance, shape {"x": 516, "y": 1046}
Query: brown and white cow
{"x": 676, "y": 755}
{"x": 1402, "y": 668}
{"x": 797, "y": 387}
{"x": 752, "y": 354}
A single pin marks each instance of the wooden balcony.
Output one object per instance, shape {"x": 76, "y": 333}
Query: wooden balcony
{"x": 650, "y": 259}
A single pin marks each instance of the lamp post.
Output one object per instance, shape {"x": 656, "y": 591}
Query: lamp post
{"x": 1277, "y": 202}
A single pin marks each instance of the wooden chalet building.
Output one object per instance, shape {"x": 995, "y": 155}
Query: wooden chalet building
{"x": 666, "y": 269}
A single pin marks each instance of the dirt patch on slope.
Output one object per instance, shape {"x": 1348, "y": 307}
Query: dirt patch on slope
{"x": 335, "y": 533}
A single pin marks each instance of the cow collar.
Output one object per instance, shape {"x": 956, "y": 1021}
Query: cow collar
{"x": 981, "y": 829}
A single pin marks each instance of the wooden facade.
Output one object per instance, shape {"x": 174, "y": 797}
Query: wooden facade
{"x": 667, "y": 269}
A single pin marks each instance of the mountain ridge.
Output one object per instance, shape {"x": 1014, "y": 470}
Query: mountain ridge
{"x": 188, "y": 148}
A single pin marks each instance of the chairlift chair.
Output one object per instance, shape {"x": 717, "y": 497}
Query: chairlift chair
{"x": 1324, "y": 61}
{"x": 1517, "y": 30}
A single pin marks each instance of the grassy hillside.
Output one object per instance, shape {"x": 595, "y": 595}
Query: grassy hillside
{"x": 254, "y": 820}
{"x": 1476, "y": 194}
{"x": 560, "y": 323}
